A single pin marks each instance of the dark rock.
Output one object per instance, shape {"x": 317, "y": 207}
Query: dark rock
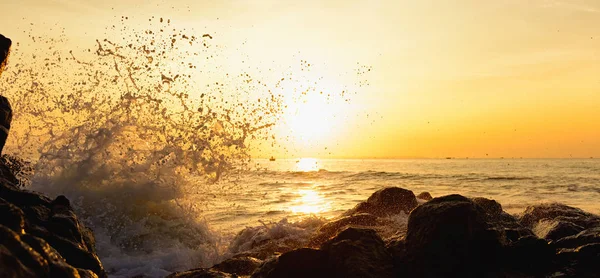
{"x": 5, "y": 44}
{"x": 555, "y": 230}
{"x": 581, "y": 261}
{"x": 303, "y": 262}
{"x": 491, "y": 207}
{"x": 558, "y": 212}
{"x": 507, "y": 226}
{"x": 35, "y": 217}
{"x": 387, "y": 201}
{"x": 200, "y": 273}
{"x": 331, "y": 229}
{"x": 529, "y": 255}
{"x": 58, "y": 267}
{"x": 5, "y": 108}
{"x": 424, "y": 196}
{"x": 12, "y": 216}
{"x": 239, "y": 265}
{"x": 17, "y": 259}
{"x": 585, "y": 237}
{"x": 358, "y": 253}
{"x": 397, "y": 249}
{"x": 449, "y": 236}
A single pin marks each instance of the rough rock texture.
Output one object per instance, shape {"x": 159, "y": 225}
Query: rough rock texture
{"x": 331, "y": 229}
{"x": 238, "y": 265}
{"x": 358, "y": 253}
{"x": 387, "y": 201}
{"x": 554, "y": 230}
{"x": 424, "y": 196}
{"x": 5, "y": 108}
{"x": 352, "y": 253}
{"x": 505, "y": 225}
{"x": 201, "y": 273}
{"x": 559, "y": 212}
{"x": 449, "y": 236}
{"x": 303, "y": 262}
{"x": 48, "y": 230}
{"x": 5, "y": 44}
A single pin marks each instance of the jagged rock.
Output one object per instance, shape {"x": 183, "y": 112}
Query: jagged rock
{"x": 529, "y": 255}
{"x": 491, "y": 207}
{"x": 387, "y": 201}
{"x": 303, "y": 262}
{"x": 352, "y": 253}
{"x": 507, "y": 226}
{"x": 201, "y": 273}
{"x": 588, "y": 236}
{"x": 397, "y": 249}
{"x": 424, "y": 196}
{"x": 581, "y": 261}
{"x": 238, "y": 265}
{"x": 29, "y": 256}
{"x": 449, "y": 236}
{"x": 331, "y": 229}
{"x": 358, "y": 253}
{"x": 35, "y": 217}
{"x": 5, "y": 108}
{"x": 554, "y": 230}
{"x": 559, "y": 212}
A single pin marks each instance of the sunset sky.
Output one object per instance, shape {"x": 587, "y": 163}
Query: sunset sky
{"x": 465, "y": 78}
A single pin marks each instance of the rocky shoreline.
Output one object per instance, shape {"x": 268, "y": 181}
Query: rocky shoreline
{"x": 448, "y": 236}
{"x": 41, "y": 237}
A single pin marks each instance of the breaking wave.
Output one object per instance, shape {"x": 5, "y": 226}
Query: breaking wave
{"x": 137, "y": 129}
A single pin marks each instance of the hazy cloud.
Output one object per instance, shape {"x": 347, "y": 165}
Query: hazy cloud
{"x": 574, "y": 5}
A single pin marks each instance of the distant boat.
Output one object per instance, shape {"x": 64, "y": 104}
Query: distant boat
{"x": 272, "y": 159}
{"x": 449, "y": 157}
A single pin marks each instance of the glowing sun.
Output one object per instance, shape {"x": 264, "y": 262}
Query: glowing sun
{"x": 314, "y": 119}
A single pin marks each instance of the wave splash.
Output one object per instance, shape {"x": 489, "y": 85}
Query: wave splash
{"x": 124, "y": 132}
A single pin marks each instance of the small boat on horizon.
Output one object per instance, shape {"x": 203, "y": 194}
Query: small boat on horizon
{"x": 272, "y": 159}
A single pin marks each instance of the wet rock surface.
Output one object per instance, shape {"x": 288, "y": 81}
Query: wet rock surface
{"x": 448, "y": 236}
{"x": 387, "y": 201}
{"x": 43, "y": 237}
{"x": 424, "y": 196}
{"x": 201, "y": 273}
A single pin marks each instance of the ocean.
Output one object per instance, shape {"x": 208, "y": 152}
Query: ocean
{"x": 288, "y": 199}
{"x": 293, "y": 188}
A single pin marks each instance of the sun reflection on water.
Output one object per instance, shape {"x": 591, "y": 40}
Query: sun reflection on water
{"x": 310, "y": 202}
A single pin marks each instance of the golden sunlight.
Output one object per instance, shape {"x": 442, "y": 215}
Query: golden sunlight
{"x": 310, "y": 202}
{"x": 307, "y": 165}
{"x": 314, "y": 119}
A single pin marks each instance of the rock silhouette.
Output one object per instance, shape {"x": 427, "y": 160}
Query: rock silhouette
{"x": 448, "y": 236}
{"x": 39, "y": 237}
{"x": 5, "y": 108}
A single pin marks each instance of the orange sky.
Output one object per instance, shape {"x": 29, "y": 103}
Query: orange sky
{"x": 450, "y": 78}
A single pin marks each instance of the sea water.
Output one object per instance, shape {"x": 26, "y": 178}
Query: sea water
{"x": 288, "y": 199}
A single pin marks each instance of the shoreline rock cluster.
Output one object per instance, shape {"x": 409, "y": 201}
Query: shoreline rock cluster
{"x": 39, "y": 237}
{"x": 447, "y": 236}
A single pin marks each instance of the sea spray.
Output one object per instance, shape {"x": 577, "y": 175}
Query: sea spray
{"x": 136, "y": 129}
